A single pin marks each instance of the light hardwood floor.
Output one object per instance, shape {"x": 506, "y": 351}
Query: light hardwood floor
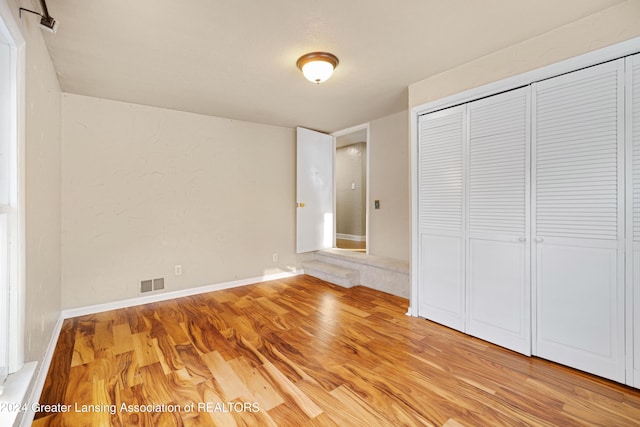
{"x": 301, "y": 352}
{"x": 350, "y": 244}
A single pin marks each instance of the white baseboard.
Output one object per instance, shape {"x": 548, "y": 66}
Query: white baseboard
{"x": 81, "y": 311}
{"x": 38, "y": 385}
{"x": 351, "y": 237}
{"x": 36, "y": 391}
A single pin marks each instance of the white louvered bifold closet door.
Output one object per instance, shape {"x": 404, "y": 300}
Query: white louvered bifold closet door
{"x": 498, "y": 286}
{"x": 633, "y": 216}
{"x": 441, "y": 217}
{"x": 578, "y": 219}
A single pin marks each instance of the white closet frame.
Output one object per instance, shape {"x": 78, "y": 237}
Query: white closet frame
{"x": 632, "y": 273}
{"x": 616, "y": 51}
{"x": 620, "y": 50}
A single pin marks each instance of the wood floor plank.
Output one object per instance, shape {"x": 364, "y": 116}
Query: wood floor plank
{"x": 79, "y": 389}
{"x": 260, "y": 388}
{"x": 232, "y": 385}
{"x": 285, "y": 386}
{"x": 197, "y": 420}
{"x": 218, "y": 417}
{"x": 177, "y": 332}
{"x": 155, "y": 384}
{"x": 122, "y": 338}
{"x": 102, "y": 399}
{"x": 139, "y": 318}
{"x": 288, "y": 414}
{"x": 127, "y": 370}
{"x": 242, "y": 327}
{"x": 49, "y": 420}
{"x": 322, "y": 420}
{"x": 193, "y": 363}
{"x": 343, "y": 407}
{"x": 145, "y": 348}
{"x": 82, "y": 349}
{"x": 378, "y": 395}
{"x": 103, "y": 340}
{"x": 168, "y": 355}
{"x": 302, "y": 352}
{"x": 272, "y": 306}
{"x": 55, "y": 386}
{"x": 358, "y": 409}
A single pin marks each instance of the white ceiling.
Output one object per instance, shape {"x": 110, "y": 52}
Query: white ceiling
{"x": 236, "y": 58}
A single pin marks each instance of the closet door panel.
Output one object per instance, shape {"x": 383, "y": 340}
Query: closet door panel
{"x": 579, "y": 306}
{"x": 578, "y": 218}
{"x": 441, "y": 297}
{"x": 498, "y": 310}
{"x": 498, "y": 287}
{"x": 633, "y": 377}
{"x": 441, "y": 217}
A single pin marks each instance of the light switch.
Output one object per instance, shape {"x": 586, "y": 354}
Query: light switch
{"x": 353, "y": 185}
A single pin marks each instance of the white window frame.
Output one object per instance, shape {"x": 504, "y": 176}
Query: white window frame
{"x": 10, "y": 31}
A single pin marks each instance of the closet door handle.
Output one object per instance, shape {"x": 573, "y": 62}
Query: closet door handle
{"x": 539, "y": 240}
{"x": 522, "y": 239}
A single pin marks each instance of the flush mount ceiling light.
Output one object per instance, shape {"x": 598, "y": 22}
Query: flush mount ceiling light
{"x": 317, "y": 66}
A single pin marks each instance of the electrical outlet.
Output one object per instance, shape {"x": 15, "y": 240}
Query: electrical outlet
{"x": 275, "y": 257}
{"x": 178, "y": 270}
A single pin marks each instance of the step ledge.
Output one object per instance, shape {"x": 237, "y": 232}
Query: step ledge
{"x": 370, "y": 260}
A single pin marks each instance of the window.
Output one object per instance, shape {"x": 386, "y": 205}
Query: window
{"x": 6, "y": 152}
{"x": 11, "y": 214}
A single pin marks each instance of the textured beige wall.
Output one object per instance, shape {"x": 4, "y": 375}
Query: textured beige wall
{"x": 389, "y": 183}
{"x": 613, "y": 25}
{"x": 42, "y": 194}
{"x": 146, "y": 188}
{"x": 351, "y": 164}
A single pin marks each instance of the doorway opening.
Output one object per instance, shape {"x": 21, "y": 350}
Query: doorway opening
{"x": 351, "y": 188}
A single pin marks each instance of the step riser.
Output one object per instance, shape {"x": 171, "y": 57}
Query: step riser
{"x": 392, "y": 281}
{"x": 330, "y": 272}
{"x": 331, "y": 278}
